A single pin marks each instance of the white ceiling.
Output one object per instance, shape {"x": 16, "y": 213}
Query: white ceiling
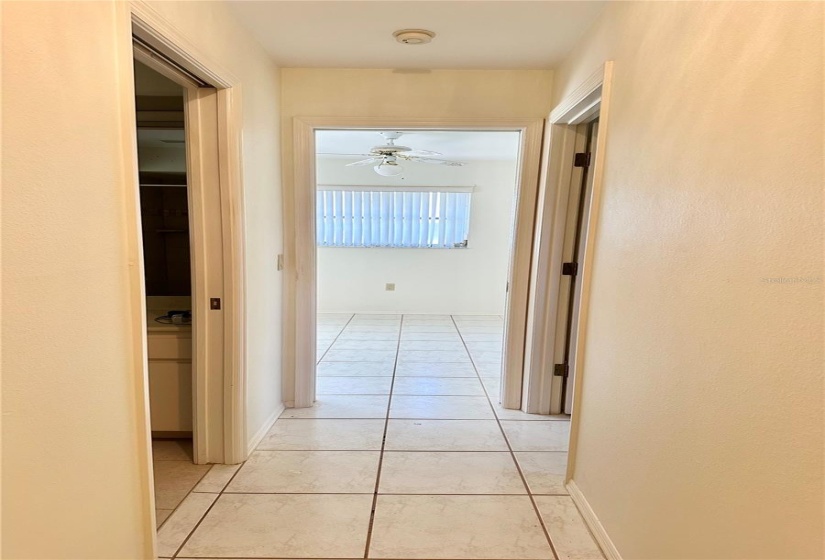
{"x": 469, "y": 34}
{"x": 454, "y": 145}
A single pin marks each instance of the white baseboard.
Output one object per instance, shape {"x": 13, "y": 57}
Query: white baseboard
{"x": 599, "y": 533}
{"x": 259, "y": 435}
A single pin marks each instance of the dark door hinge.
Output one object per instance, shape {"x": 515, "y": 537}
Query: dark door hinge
{"x": 569, "y": 269}
{"x": 582, "y": 159}
{"x": 561, "y": 370}
{"x": 214, "y": 303}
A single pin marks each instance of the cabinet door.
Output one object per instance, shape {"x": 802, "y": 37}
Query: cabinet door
{"x": 170, "y": 396}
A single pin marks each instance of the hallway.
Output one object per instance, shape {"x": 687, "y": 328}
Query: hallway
{"x": 406, "y": 425}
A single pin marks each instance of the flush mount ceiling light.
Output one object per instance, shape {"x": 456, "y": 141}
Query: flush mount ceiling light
{"x": 413, "y": 36}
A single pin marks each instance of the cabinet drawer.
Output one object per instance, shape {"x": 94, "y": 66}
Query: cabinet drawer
{"x": 170, "y": 396}
{"x": 169, "y": 347}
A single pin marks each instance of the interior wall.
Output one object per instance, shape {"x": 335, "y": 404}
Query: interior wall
{"x": 71, "y": 436}
{"x": 701, "y": 426}
{"x": 442, "y": 281}
{"x": 72, "y": 444}
{"x": 211, "y": 27}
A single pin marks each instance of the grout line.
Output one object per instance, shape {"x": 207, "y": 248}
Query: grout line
{"x": 334, "y": 340}
{"x": 198, "y": 524}
{"x": 512, "y": 454}
{"x": 383, "y": 445}
{"x": 191, "y": 490}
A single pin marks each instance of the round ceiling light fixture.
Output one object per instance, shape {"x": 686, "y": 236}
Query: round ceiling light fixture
{"x": 413, "y": 36}
{"x": 389, "y": 169}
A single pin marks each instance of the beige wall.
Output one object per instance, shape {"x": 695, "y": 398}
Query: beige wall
{"x": 72, "y": 442}
{"x": 701, "y": 430}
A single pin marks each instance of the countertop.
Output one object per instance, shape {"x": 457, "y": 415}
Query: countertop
{"x": 154, "y": 326}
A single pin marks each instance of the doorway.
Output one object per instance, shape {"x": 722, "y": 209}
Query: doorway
{"x": 301, "y": 304}
{"x": 414, "y": 240}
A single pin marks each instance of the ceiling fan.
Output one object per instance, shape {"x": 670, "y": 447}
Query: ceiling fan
{"x": 386, "y": 158}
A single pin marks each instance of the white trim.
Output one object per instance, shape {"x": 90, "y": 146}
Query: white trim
{"x": 157, "y": 32}
{"x": 587, "y": 100}
{"x": 137, "y": 294}
{"x": 394, "y": 188}
{"x": 256, "y": 438}
{"x": 593, "y": 523}
{"x": 300, "y": 248}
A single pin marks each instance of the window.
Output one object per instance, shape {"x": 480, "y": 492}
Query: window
{"x": 429, "y": 217}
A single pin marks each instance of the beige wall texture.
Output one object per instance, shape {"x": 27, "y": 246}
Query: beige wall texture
{"x": 701, "y": 429}
{"x": 73, "y": 447}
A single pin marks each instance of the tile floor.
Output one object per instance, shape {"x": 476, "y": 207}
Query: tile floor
{"x": 406, "y": 455}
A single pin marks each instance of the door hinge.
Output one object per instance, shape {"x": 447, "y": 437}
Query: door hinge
{"x": 561, "y": 370}
{"x": 582, "y": 159}
{"x": 569, "y": 269}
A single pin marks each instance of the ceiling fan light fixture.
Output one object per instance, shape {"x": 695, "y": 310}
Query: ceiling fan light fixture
{"x": 413, "y": 36}
{"x": 388, "y": 169}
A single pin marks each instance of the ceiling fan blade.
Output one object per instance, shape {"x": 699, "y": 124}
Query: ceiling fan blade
{"x": 351, "y": 155}
{"x": 422, "y": 153}
{"x": 368, "y": 161}
{"x": 434, "y": 161}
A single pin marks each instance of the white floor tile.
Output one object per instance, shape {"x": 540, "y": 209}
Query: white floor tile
{"x": 360, "y": 356}
{"x": 447, "y": 329}
{"x": 544, "y": 470}
{"x": 483, "y": 337}
{"x": 343, "y": 406}
{"x": 500, "y": 527}
{"x": 537, "y": 436}
{"x": 353, "y": 385}
{"x": 368, "y": 335}
{"x": 174, "y": 480}
{"x": 429, "y": 472}
{"x": 296, "y": 526}
{"x": 429, "y": 345}
{"x": 487, "y": 357}
{"x": 467, "y": 386}
{"x": 485, "y": 346}
{"x": 308, "y": 472}
{"x": 567, "y": 530}
{"x": 217, "y": 478}
{"x": 384, "y": 345}
{"x": 355, "y": 369}
{"x": 178, "y": 526}
{"x": 431, "y": 336}
{"x": 444, "y": 435}
{"x": 424, "y": 369}
{"x": 472, "y": 329}
{"x": 324, "y": 434}
{"x": 433, "y": 356}
{"x": 441, "y": 407}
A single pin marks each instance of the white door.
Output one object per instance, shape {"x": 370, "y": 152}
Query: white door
{"x": 570, "y": 293}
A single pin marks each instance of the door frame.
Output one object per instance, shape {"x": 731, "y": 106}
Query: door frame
{"x": 219, "y": 388}
{"x": 592, "y": 97}
{"x": 300, "y": 251}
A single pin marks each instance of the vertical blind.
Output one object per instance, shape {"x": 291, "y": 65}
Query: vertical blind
{"x": 436, "y": 217}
